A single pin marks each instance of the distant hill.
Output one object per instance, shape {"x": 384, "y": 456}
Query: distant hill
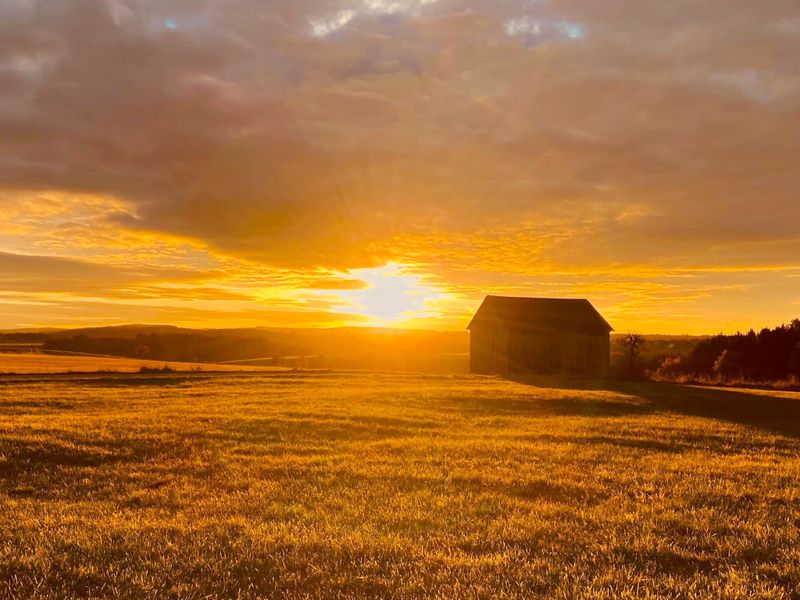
{"x": 664, "y": 345}
{"x": 119, "y": 331}
{"x": 34, "y": 330}
{"x": 656, "y": 348}
{"x": 323, "y": 348}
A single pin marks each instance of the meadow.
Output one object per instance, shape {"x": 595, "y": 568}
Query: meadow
{"x": 304, "y": 485}
{"x": 26, "y": 363}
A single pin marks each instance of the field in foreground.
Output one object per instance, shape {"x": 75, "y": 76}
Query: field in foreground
{"x": 36, "y": 362}
{"x": 308, "y": 485}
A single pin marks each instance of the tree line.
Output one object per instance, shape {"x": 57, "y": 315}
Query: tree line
{"x": 769, "y": 355}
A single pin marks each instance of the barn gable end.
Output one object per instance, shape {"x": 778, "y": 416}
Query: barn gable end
{"x": 539, "y": 335}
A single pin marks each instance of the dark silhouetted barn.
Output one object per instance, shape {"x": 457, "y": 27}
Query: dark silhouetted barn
{"x": 517, "y": 336}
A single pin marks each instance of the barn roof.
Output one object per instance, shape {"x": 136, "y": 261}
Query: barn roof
{"x": 536, "y": 314}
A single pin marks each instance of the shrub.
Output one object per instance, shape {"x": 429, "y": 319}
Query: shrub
{"x": 670, "y": 368}
{"x": 164, "y": 369}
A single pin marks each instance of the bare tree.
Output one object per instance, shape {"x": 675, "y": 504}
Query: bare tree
{"x": 633, "y": 343}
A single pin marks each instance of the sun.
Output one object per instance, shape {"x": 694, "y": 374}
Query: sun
{"x": 395, "y": 295}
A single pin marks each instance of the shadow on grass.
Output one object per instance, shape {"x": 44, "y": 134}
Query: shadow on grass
{"x": 146, "y": 380}
{"x": 773, "y": 414}
{"x": 570, "y": 405}
{"x": 53, "y": 467}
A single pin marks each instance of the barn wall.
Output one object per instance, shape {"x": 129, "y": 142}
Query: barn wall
{"x": 538, "y": 352}
{"x": 600, "y": 355}
{"x": 488, "y": 350}
{"x": 496, "y": 351}
{"x": 558, "y": 352}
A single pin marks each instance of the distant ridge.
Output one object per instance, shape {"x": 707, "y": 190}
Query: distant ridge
{"x": 134, "y": 329}
{"x": 42, "y": 330}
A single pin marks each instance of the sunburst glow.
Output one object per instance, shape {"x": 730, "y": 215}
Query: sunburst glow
{"x": 394, "y": 296}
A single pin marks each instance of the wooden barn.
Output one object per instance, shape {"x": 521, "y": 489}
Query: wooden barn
{"x": 517, "y": 336}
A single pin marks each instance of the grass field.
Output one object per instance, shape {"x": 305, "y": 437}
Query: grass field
{"x": 340, "y": 485}
{"x": 34, "y": 362}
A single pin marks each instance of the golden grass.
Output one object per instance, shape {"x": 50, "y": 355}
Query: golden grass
{"x": 342, "y": 485}
{"x": 37, "y": 363}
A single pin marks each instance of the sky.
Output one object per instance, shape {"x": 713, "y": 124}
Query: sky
{"x": 318, "y": 163}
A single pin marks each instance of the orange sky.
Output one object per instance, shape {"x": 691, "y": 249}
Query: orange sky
{"x": 376, "y": 162}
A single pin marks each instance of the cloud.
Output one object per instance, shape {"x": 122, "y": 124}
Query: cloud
{"x": 333, "y": 283}
{"x": 324, "y": 27}
{"x": 492, "y": 138}
{"x": 537, "y": 30}
{"x": 52, "y": 274}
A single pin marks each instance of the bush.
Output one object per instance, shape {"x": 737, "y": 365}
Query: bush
{"x": 164, "y": 369}
{"x": 670, "y": 368}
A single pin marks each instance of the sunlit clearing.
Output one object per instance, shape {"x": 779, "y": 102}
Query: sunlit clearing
{"x": 394, "y": 296}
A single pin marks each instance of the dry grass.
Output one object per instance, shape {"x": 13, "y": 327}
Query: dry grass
{"x": 343, "y": 485}
{"x": 37, "y": 363}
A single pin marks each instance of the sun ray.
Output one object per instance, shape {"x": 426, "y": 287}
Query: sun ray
{"x": 395, "y": 296}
